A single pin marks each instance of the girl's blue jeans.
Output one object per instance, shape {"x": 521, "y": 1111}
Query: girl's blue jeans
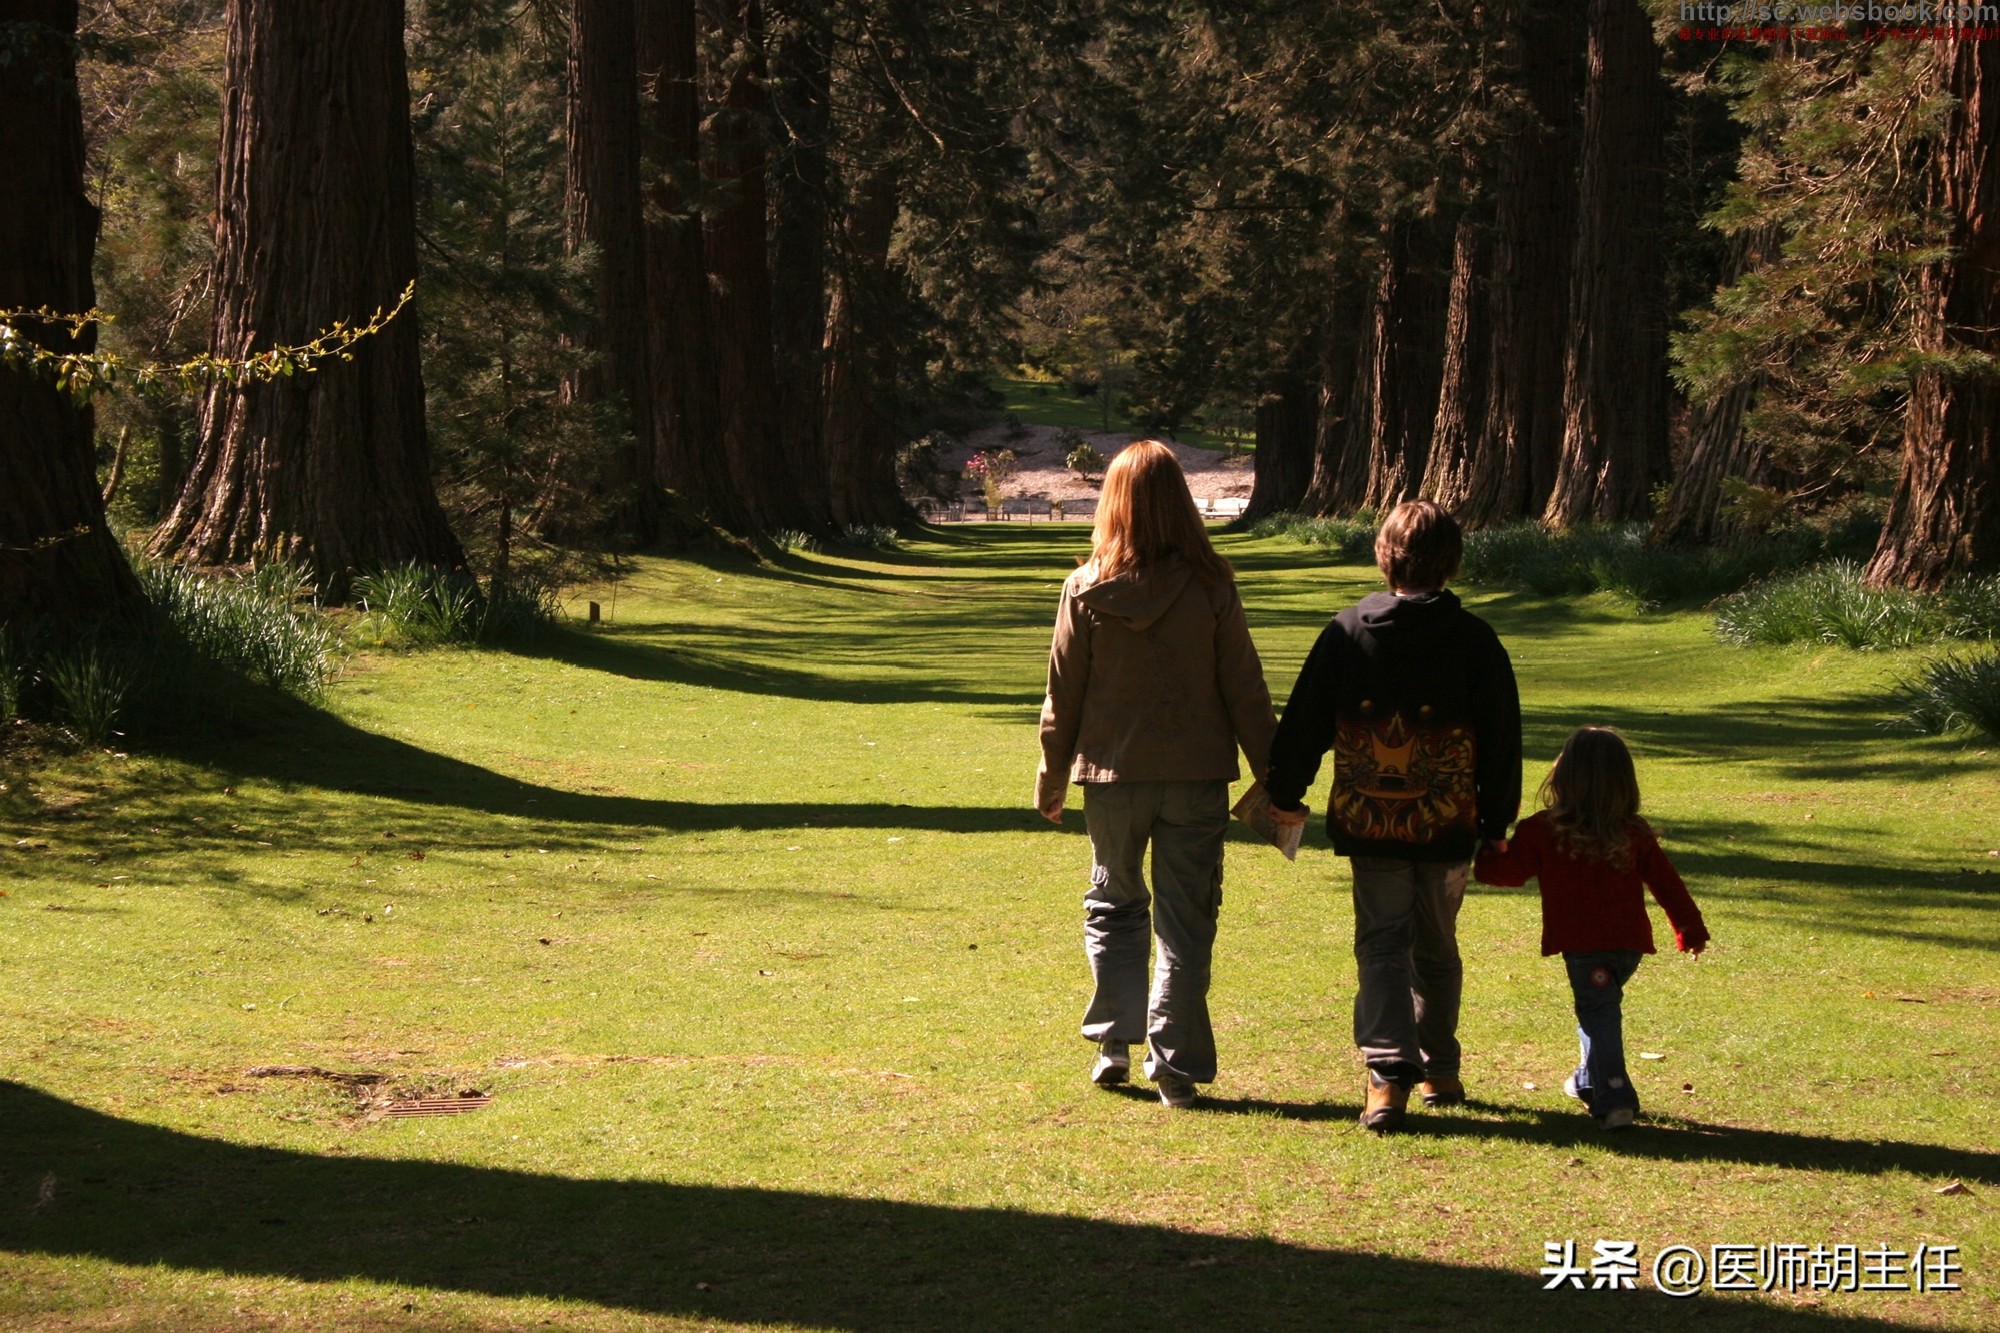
{"x": 1597, "y": 980}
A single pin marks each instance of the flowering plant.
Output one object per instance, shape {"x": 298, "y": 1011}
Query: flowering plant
{"x": 992, "y": 467}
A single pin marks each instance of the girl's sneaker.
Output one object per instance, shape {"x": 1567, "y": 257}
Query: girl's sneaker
{"x": 1571, "y": 1090}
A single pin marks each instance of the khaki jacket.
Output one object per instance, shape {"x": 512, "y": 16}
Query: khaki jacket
{"x": 1152, "y": 678}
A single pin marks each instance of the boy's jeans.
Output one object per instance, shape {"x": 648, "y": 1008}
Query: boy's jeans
{"x": 1597, "y": 980}
{"x": 1184, "y": 822}
{"x": 1406, "y": 952}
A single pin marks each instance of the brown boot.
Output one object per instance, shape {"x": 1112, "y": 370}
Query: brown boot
{"x": 1444, "y": 1090}
{"x": 1382, "y": 1109}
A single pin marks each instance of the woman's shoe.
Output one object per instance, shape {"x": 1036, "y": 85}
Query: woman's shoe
{"x": 1114, "y": 1063}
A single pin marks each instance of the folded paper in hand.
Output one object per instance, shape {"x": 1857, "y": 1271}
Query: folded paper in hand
{"x": 1256, "y": 811}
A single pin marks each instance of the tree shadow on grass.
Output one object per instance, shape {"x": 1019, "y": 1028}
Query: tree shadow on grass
{"x": 1667, "y": 1138}
{"x": 144, "y": 1196}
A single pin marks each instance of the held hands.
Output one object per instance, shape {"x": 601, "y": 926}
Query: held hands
{"x": 1290, "y": 818}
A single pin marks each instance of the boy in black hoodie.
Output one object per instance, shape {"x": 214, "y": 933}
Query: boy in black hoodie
{"x": 1415, "y": 697}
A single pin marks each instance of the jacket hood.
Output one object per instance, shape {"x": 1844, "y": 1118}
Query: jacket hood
{"x": 1407, "y": 620}
{"x": 1139, "y": 597}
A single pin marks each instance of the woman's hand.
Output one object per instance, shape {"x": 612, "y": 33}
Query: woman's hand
{"x": 1290, "y": 818}
{"x": 1053, "y": 808}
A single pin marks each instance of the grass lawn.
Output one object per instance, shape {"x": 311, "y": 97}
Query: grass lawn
{"x": 736, "y": 909}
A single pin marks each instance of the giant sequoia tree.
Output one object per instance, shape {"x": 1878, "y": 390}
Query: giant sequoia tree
{"x": 315, "y": 226}
{"x": 1615, "y": 383}
{"x": 604, "y": 207}
{"x": 1945, "y": 516}
{"x": 58, "y": 560}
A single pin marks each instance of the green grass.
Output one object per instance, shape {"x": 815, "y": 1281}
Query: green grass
{"x": 736, "y": 908}
{"x": 1050, "y": 403}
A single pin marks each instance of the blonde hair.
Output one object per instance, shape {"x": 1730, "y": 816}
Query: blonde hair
{"x": 1592, "y": 795}
{"x": 1147, "y": 514}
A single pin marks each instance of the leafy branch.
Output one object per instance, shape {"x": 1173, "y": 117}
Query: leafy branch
{"x": 82, "y": 374}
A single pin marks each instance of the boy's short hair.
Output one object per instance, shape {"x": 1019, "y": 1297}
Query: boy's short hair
{"x": 1419, "y": 546}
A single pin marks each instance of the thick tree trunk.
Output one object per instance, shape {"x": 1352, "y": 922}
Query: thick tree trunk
{"x": 315, "y": 225}
{"x": 801, "y": 69}
{"x": 1340, "y": 466}
{"x": 1408, "y": 361}
{"x": 602, "y": 202}
{"x": 1945, "y": 516}
{"x": 1513, "y": 466}
{"x": 58, "y": 561}
{"x": 1461, "y": 406}
{"x": 1717, "y": 451}
{"x": 687, "y": 416}
{"x": 861, "y": 437}
{"x": 739, "y": 265}
{"x": 1287, "y": 423}
{"x": 1614, "y": 377}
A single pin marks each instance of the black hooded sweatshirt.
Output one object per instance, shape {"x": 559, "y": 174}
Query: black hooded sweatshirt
{"x": 1415, "y": 697}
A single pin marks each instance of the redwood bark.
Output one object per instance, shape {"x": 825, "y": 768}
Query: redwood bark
{"x": 739, "y": 265}
{"x": 687, "y": 416}
{"x": 58, "y": 561}
{"x": 1340, "y": 460}
{"x": 602, "y": 203}
{"x": 1407, "y": 362}
{"x": 315, "y": 224}
{"x": 1614, "y": 376}
{"x": 861, "y": 436}
{"x": 1461, "y": 406}
{"x": 1944, "y": 518}
{"x": 1513, "y": 466}
{"x": 801, "y": 70}
{"x": 1287, "y": 422}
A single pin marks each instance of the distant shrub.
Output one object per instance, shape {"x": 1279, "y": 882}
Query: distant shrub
{"x": 1830, "y": 604}
{"x": 792, "y": 539}
{"x": 522, "y": 606}
{"x": 1015, "y": 428}
{"x": 261, "y": 625}
{"x": 1617, "y": 559}
{"x": 91, "y": 685}
{"x": 1349, "y": 540}
{"x": 1083, "y": 459}
{"x": 1954, "y": 694}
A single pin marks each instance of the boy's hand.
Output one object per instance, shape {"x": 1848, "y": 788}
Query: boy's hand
{"x": 1052, "y": 810}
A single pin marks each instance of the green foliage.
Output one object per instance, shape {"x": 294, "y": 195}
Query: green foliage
{"x": 1829, "y": 205}
{"x": 870, "y": 537}
{"x": 1831, "y": 604}
{"x": 418, "y": 606}
{"x": 1083, "y": 458}
{"x": 1952, "y": 695}
{"x": 503, "y": 291}
{"x": 921, "y": 470}
{"x": 261, "y": 626}
{"x": 90, "y": 685}
{"x": 1619, "y": 560}
{"x": 1350, "y": 540}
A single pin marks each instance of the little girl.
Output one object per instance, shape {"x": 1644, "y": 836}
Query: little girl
{"x": 1594, "y": 858}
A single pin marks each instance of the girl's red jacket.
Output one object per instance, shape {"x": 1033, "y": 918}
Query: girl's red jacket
{"x": 1589, "y": 904}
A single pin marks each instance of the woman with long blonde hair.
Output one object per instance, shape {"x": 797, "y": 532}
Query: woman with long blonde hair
{"x": 1154, "y": 686}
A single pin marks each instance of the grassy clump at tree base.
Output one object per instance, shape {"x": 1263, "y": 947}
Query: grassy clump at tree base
{"x": 1832, "y": 604}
